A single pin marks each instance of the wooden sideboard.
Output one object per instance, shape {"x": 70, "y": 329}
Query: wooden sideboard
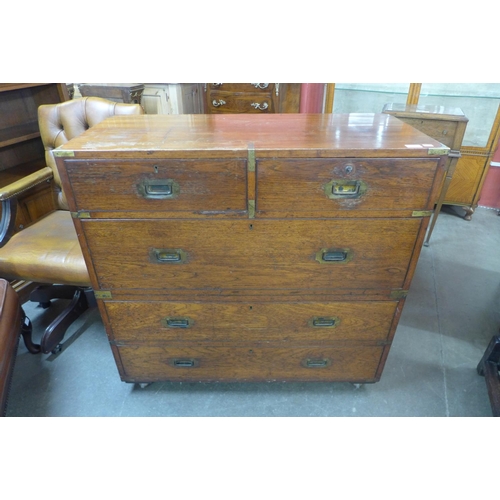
{"x": 252, "y": 97}
{"x": 250, "y": 248}
{"x": 444, "y": 124}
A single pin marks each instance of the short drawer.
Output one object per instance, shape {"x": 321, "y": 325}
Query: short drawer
{"x": 251, "y": 254}
{"x": 159, "y": 185}
{"x": 224, "y": 102}
{"x": 326, "y": 185}
{"x": 243, "y": 87}
{"x": 147, "y": 364}
{"x": 257, "y": 322}
{"x": 443, "y": 131}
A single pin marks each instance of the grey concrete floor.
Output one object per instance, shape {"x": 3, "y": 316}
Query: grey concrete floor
{"x": 451, "y": 313}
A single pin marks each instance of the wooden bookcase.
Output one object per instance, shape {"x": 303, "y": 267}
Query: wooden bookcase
{"x": 21, "y": 148}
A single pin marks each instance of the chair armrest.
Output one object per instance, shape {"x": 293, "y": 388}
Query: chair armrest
{"x": 8, "y": 198}
{"x": 32, "y": 180}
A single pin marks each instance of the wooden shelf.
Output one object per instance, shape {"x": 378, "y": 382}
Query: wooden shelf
{"x": 7, "y": 87}
{"x": 14, "y": 174}
{"x": 19, "y": 133}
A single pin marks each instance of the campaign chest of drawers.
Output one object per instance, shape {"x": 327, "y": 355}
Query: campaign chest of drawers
{"x": 249, "y": 247}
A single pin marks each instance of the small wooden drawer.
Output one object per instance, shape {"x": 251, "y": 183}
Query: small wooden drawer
{"x": 310, "y": 323}
{"x": 147, "y": 364}
{"x": 225, "y": 102}
{"x": 327, "y": 185}
{"x": 265, "y": 255}
{"x": 159, "y": 185}
{"x": 443, "y": 131}
{"x": 243, "y": 87}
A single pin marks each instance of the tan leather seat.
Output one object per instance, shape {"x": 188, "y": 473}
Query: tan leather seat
{"x": 46, "y": 252}
{"x": 49, "y": 251}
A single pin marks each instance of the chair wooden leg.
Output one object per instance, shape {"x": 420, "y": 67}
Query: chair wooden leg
{"x": 489, "y": 368}
{"x": 57, "y": 329}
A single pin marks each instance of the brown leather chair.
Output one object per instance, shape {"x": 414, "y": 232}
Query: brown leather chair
{"x": 13, "y": 323}
{"x": 48, "y": 251}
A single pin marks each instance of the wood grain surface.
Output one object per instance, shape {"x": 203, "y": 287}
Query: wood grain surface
{"x": 144, "y": 364}
{"x": 259, "y": 254}
{"x": 300, "y": 185}
{"x": 286, "y": 135}
{"x": 256, "y": 322}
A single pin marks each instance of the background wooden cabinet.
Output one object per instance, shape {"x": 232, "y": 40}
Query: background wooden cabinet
{"x": 252, "y": 97}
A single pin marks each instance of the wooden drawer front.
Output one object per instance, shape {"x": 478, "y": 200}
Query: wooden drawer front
{"x": 443, "y": 131}
{"x": 308, "y": 185}
{"x": 251, "y": 254}
{"x": 353, "y": 364}
{"x": 308, "y": 323}
{"x": 243, "y": 87}
{"x": 159, "y": 185}
{"x": 224, "y": 102}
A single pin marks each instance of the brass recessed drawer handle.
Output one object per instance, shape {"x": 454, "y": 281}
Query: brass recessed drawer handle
{"x": 176, "y": 322}
{"x": 184, "y": 363}
{"x": 324, "y": 322}
{"x": 158, "y": 189}
{"x": 316, "y": 363}
{"x": 345, "y": 189}
{"x": 168, "y": 256}
{"x": 334, "y": 255}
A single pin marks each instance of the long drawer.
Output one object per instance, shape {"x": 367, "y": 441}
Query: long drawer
{"x": 308, "y": 323}
{"x": 320, "y": 185}
{"x": 144, "y": 364}
{"x": 244, "y": 255}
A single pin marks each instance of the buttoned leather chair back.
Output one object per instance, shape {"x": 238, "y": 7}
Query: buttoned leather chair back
{"x": 64, "y": 121}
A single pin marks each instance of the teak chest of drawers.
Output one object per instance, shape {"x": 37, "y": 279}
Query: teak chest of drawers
{"x": 251, "y": 248}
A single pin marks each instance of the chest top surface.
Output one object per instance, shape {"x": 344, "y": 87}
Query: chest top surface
{"x": 274, "y": 135}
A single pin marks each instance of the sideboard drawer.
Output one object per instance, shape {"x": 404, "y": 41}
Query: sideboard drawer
{"x": 159, "y": 185}
{"x": 243, "y": 87}
{"x": 142, "y": 364}
{"x": 251, "y": 254}
{"x": 322, "y": 185}
{"x": 224, "y": 102}
{"x": 309, "y": 322}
